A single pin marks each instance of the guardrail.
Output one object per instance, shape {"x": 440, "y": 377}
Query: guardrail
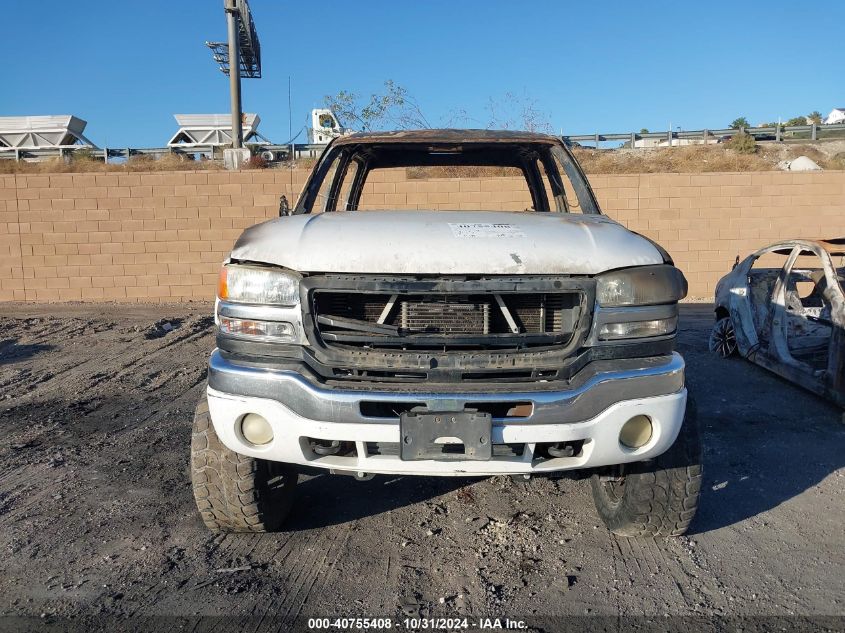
{"x": 775, "y": 133}
{"x": 307, "y": 150}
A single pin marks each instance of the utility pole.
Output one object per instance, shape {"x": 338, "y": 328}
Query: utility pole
{"x": 232, "y": 17}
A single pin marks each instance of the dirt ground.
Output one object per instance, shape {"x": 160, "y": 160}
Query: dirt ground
{"x": 97, "y": 520}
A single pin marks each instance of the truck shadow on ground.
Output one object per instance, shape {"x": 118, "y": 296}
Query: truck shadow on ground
{"x": 11, "y": 352}
{"x": 337, "y": 499}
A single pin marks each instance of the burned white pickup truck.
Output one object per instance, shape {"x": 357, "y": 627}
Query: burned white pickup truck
{"x": 447, "y": 302}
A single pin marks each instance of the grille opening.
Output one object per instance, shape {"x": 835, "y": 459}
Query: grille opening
{"x": 499, "y": 375}
{"x": 494, "y": 375}
{"x": 499, "y": 450}
{"x": 458, "y": 315}
{"x": 555, "y": 450}
{"x": 377, "y": 409}
{"x": 364, "y": 374}
{"x": 503, "y": 410}
{"x": 508, "y": 450}
{"x": 353, "y": 305}
{"x": 444, "y": 321}
{"x": 326, "y": 448}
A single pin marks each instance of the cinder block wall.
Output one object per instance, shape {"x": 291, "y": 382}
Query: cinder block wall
{"x": 161, "y": 236}
{"x": 128, "y": 237}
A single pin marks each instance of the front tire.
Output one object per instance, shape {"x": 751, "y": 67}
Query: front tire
{"x": 723, "y": 338}
{"x": 233, "y": 492}
{"x": 657, "y": 497}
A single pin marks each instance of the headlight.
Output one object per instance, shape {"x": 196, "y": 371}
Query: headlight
{"x": 638, "y": 329}
{"x": 252, "y": 284}
{"x": 644, "y": 285}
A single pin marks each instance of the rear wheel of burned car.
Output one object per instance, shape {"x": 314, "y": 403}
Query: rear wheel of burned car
{"x": 233, "y": 492}
{"x": 656, "y": 497}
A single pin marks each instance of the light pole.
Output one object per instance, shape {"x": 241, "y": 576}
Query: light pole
{"x": 232, "y": 17}
{"x": 239, "y": 56}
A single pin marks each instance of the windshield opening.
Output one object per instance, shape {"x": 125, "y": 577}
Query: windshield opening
{"x": 501, "y": 176}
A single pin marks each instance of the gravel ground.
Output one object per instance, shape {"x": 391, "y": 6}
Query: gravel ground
{"x": 97, "y": 521}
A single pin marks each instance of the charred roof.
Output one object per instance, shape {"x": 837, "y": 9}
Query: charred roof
{"x": 448, "y": 136}
{"x": 835, "y": 246}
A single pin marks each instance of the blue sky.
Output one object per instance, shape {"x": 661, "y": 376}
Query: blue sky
{"x": 126, "y": 66}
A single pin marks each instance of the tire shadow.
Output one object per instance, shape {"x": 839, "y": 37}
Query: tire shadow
{"x": 336, "y": 499}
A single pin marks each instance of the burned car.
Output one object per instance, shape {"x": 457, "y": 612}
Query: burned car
{"x": 783, "y": 308}
{"x": 447, "y": 303}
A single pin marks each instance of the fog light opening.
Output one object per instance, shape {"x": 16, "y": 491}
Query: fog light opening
{"x": 636, "y": 432}
{"x": 256, "y": 429}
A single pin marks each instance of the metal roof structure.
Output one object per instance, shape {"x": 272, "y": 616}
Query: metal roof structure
{"x": 835, "y": 246}
{"x": 212, "y": 130}
{"x": 35, "y": 132}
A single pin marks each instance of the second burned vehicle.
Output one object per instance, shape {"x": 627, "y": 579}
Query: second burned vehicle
{"x": 783, "y": 308}
{"x": 447, "y": 302}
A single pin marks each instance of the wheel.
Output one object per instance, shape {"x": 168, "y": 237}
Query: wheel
{"x": 656, "y": 497}
{"x": 723, "y": 338}
{"x": 236, "y": 493}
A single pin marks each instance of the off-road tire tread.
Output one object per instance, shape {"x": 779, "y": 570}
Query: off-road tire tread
{"x": 660, "y": 496}
{"x": 232, "y": 491}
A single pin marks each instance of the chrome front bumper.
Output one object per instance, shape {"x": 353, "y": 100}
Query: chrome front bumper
{"x": 591, "y": 409}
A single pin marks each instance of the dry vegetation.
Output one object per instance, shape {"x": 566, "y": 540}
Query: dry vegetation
{"x": 83, "y": 163}
{"x": 699, "y": 159}
{"x": 461, "y": 171}
{"x": 690, "y": 159}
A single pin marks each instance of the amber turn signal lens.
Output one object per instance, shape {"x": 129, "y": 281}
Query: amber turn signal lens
{"x": 222, "y": 287}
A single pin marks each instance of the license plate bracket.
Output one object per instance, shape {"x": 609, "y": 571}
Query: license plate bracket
{"x": 432, "y": 435}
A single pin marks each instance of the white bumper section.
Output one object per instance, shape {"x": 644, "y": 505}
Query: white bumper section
{"x": 600, "y": 434}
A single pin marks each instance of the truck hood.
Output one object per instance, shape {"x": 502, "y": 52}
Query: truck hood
{"x": 446, "y": 242}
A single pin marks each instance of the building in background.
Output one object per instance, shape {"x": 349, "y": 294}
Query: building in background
{"x": 205, "y": 130}
{"x": 37, "y": 132}
{"x": 325, "y": 127}
{"x": 837, "y": 115}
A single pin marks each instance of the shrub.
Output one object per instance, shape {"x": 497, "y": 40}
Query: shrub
{"x": 256, "y": 162}
{"x": 84, "y": 155}
{"x": 743, "y": 144}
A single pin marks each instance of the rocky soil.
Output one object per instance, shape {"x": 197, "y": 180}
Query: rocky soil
{"x": 98, "y": 524}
